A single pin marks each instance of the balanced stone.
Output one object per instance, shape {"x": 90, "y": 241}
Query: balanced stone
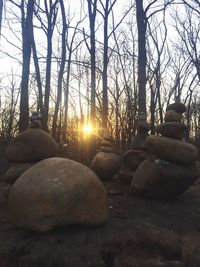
{"x": 172, "y": 150}
{"x": 15, "y": 171}
{"x": 161, "y": 179}
{"x": 133, "y": 158}
{"x": 57, "y": 192}
{"x": 172, "y": 129}
{"x": 106, "y": 143}
{"x": 107, "y": 137}
{"x": 143, "y": 126}
{"x": 139, "y": 141}
{"x": 178, "y": 107}
{"x": 106, "y": 164}
{"x": 31, "y": 145}
{"x": 35, "y": 120}
{"x": 172, "y": 115}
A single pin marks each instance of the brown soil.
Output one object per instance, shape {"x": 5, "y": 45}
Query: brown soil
{"x": 139, "y": 233}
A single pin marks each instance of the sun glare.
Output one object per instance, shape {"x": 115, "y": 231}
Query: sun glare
{"x": 87, "y": 129}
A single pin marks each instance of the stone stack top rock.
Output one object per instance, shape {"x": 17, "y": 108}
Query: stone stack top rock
{"x": 178, "y": 107}
{"x": 35, "y": 120}
{"x": 143, "y": 127}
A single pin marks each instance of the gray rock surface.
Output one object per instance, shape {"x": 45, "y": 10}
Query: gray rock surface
{"x": 178, "y": 107}
{"x": 57, "y": 192}
{"x": 139, "y": 141}
{"x": 106, "y": 164}
{"x": 172, "y": 115}
{"x": 172, "y": 129}
{"x": 31, "y": 145}
{"x": 133, "y": 158}
{"x": 172, "y": 150}
{"x": 15, "y": 171}
{"x": 162, "y": 179}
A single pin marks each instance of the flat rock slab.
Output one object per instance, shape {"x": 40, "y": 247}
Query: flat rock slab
{"x": 139, "y": 233}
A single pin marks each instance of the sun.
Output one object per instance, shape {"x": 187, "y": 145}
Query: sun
{"x": 87, "y": 129}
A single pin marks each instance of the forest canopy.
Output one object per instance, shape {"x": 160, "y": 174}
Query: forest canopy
{"x": 97, "y": 64}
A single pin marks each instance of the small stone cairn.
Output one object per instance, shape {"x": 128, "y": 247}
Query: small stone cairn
{"x": 106, "y": 163}
{"x": 138, "y": 152}
{"x": 171, "y": 168}
{"x": 27, "y": 148}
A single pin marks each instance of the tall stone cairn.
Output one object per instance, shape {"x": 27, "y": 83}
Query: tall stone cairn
{"x": 27, "y": 148}
{"x": 171, "y": 169}
{"x": 106, "y": 162}
{"x": 133, "y": 157}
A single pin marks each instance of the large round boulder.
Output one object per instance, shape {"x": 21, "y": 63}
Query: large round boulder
{"x": 57, "y": 192}
{"x": 163, "y": 180}
{"x": 173, "y": 150}
{"x": 31, "y": 145}
{"x": 106, "y": 165}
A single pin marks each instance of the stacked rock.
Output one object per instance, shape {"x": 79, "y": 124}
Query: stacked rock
{"x": 138, "y": 152}
{"x": 171, "y": 169}
{"x": 106, "y": 163}
{"x": 27, "y": 148}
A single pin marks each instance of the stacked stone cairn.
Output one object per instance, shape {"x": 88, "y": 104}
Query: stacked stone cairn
{"x": 170, "y": 169}
{"x": 27, "y": 148}
{"x": 106, "y": 162}
{"x": 138, "y": 152}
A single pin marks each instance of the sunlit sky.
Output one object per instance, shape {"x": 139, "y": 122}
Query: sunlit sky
{"x": 73, "y": 8}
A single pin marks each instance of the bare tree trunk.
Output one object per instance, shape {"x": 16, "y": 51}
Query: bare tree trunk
{"x": 51, "y": 14}
{"x": 105, "y": 68}
{"x": 26, "y": 50}
{"x": 92, "y": 17}
{"x": 142, "y": 57}
{"x": 61, "y": 71}
{"x": 38, "y": 76}
{"x": 1, "y": 14}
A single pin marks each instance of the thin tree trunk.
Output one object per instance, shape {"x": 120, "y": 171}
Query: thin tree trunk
{"x": 105, "y": 68}
{"x": 92, "y": 50}
{"x": 37, "y": 73}
{"x": 142, "y": 57}
{"x": 26, "y": 36}
{"x": 61, "y": 71}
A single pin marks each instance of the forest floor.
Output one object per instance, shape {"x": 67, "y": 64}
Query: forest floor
{"x": 139, "y": 233}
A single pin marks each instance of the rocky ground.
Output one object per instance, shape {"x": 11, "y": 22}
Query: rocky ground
{"x": 139, "y": 233}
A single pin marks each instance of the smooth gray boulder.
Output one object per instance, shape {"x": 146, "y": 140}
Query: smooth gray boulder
{"x": 57, "y": 192}
{"x": 173, "y": 150}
